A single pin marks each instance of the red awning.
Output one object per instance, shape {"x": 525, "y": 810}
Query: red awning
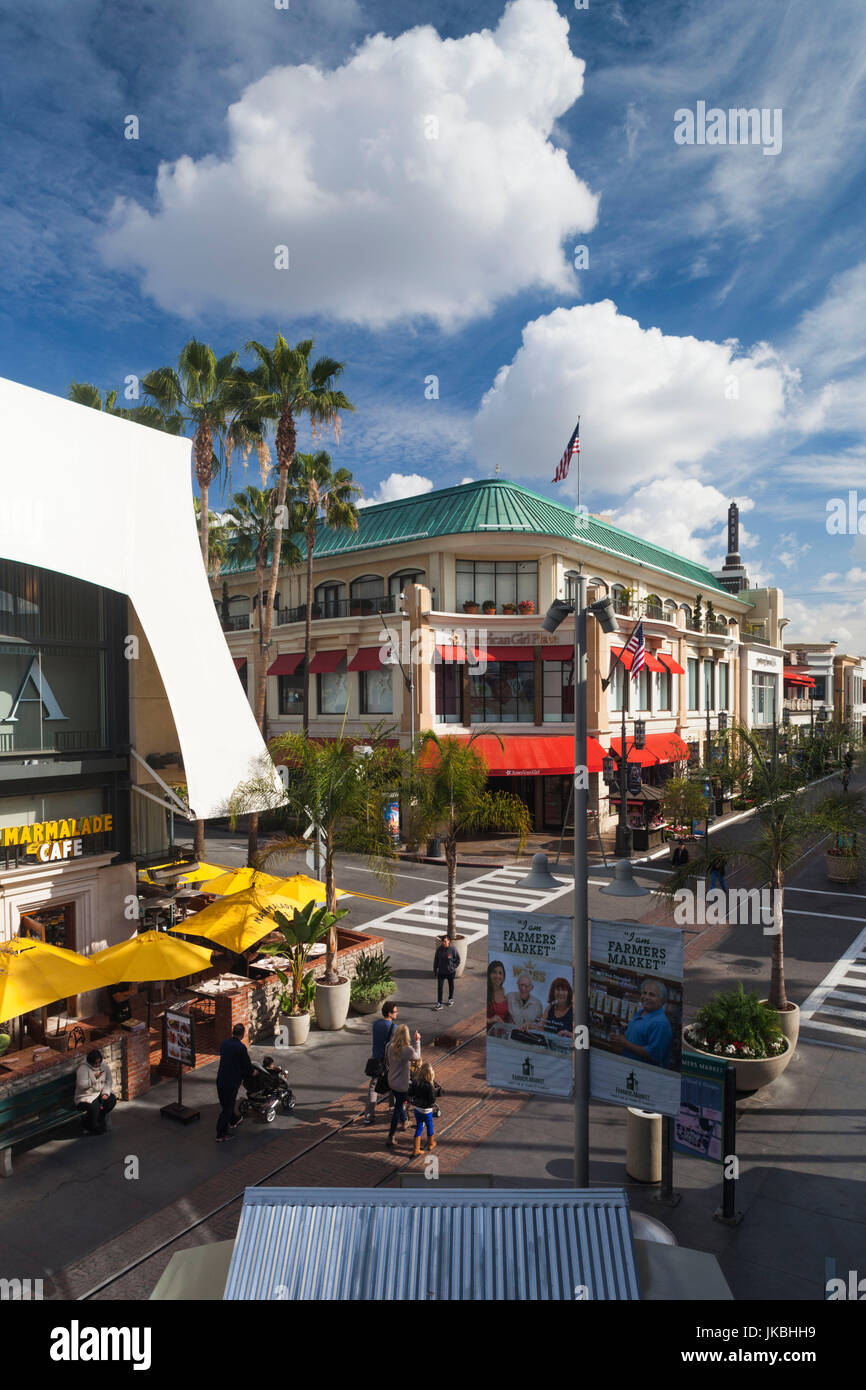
{"x": 510, "y": 653}
{"x": 660, "y": 748}
{"x": 324, "y": 663}
{"x": 533, "y": 755}
{"x": 671, "y": 665}
{"x": 651, "y": 663}
{"x": 558, "y": 653}
{"x": 240, "y": 662}
{"x": 367, "y": 659}
{"x": 793, "y": 677}
{"x": 457, "y": 655}
{"x": 286, "y": 665}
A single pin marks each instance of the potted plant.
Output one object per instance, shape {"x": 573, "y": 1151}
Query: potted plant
{"x": 373, "y": 983}
{"x": 316, "y": 610}
{"x": 509, "y": 607}
{"x": 488, "y": 606}
{"x": 843, "y": 859}
{"x": 470, "y": 606}
{"x": 526, "y": 606}
{"x": 300, "y": 932}
{"x": 745, "y": 1030}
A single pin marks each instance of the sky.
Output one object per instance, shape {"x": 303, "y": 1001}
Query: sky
{"x": 499, "y": 218}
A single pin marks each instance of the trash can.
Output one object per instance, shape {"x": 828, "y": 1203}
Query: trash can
{"x": 643, "y": 1153}
{"x": 434, "y": 848}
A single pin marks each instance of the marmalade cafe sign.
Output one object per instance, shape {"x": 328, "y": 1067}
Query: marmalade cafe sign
{"x": 51, "y": 840}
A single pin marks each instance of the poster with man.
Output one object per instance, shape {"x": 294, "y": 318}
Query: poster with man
{"x": 635, "y": 1015}
{"x": 530, "y": 1003}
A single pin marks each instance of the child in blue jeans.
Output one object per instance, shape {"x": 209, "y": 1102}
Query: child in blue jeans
{"x": 424, "y": 1101}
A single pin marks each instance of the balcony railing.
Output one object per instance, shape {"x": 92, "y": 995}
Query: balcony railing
{"x": 342, "y": 608}
{"x": 623, "y": 607}
{"x": 239, "y": 622}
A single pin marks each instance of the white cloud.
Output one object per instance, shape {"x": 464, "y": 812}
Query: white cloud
{"x": 650, "y": 402}
{"x": 790, "y": 550}
{"x": 395, "y": 486}
{"x": 839, "y": 620}
{"x": 673, "y": 511}
{"x": 381, "y": 222}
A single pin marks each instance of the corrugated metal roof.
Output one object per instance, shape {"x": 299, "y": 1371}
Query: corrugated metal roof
{"x": 496, "y": 505}
{"x": 362, "y": 1243}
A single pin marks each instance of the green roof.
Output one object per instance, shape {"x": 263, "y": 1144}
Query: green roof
{"x": 496, "y": 505}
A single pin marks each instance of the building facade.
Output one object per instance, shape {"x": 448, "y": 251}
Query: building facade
{"x": 456, "y": 583}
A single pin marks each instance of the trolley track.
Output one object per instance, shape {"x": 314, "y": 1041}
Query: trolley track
{"x": 224, "y": 1207}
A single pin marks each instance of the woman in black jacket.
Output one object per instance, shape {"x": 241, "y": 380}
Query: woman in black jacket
{"x": 423, "y": 1097}
{"x": 445, "y": 963}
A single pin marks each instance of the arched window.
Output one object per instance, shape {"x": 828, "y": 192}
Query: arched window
{"x": 399, "y": 582}
{"x": 653, "y": 606}
{"x": 670, "y": 611}
{"x": 595, "y": 589}
{"x": 687, "y": 614}
{"x": 621, "y": 599}
{"x": 366, "y": 594}
{"x": 329, "y": 599}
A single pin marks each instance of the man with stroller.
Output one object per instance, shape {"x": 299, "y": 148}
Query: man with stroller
{"x": 234, "y": 1066}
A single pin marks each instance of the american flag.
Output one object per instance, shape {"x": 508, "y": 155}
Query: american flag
{"x": 636, "y": 647}
{"x": 572, "y": 448}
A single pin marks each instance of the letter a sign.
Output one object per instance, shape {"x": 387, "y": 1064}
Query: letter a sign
{"x": 44, "y": 694}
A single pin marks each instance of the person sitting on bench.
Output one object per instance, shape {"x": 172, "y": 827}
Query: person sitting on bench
{"x": 93, "y": 1092}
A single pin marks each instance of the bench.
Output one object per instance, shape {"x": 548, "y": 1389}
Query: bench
{"x": 33, "y": 1112}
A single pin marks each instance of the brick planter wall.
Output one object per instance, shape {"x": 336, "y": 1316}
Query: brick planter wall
{"x": 263, "y": 995}
{"x": 55, "y": 1064}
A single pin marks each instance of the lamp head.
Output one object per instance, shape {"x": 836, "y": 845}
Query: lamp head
{"x": 557, "y": 613}
{"x": 623, "y": 885}
{"x": 603, "y": 612}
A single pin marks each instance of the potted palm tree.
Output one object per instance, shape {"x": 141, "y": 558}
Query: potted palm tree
{"x": 450, "y": 799}
{"x": 300, "y": 932}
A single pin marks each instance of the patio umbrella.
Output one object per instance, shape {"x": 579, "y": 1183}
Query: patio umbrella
{"x": 239, "y": 921}
{"x": 33, "y": 974}
{"x": 152, "y": 955}
{"x": 239, "y": 880}
{"x": 204, "y": 872}
{"x": 305, "y": 889}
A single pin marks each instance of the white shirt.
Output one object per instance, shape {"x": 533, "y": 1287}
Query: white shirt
{"x": 522, "y": 1013}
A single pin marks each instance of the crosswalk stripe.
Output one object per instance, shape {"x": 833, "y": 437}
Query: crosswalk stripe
{"x": 473, "y": 901}
{"x": 847, "y": 974}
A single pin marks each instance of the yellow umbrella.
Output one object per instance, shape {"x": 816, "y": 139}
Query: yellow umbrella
{"x": 152, "y": 955}
{"x": 33, "y": 974}
{"x": 305, "y": 889}
{"x": 239, "y": 880}
{"x": 203, "y": 872}
{"x": 239, "y": 921}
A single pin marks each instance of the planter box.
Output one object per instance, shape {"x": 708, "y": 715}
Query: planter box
{"x": 842, "y": 868}
{"x": 751, "y": 1074}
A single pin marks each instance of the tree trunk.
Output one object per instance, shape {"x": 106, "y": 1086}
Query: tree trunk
{"x": 198, "y": 839}
{"x": 203, "y": 439}
{"x": 260, "y": 687}
{"x": 777, "y": 998}
{"x": 331, "y": 976}
{"x": 451, "y": 863}
{"x": 308, "y": 630}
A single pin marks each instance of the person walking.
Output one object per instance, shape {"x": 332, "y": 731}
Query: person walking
{"x": 399, "y": 1056}
{"x": 445, "y": 963}
{"x": 846, "y": 778}
{"x": 94, "y": 1094}
{"x": 424, "y": 1103}
{"x": 718, "y": 864}
{"x": 234, "y": 1065}
{"x": 383, "y": 1031}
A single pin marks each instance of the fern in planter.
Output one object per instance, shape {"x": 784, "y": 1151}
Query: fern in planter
{"x": 373, "y": 979}
{"x": 737, "y": 1025}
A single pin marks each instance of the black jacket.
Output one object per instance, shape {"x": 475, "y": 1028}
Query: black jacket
{"x": 235, "y": 1063}
{"x": 423, "y": 1095}
{"x": 446, "y": 960}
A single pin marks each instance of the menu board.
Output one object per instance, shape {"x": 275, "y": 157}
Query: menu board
{"x": 180, "y": 1038}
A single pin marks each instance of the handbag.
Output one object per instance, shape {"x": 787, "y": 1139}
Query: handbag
{"x": 380, "y": 1086}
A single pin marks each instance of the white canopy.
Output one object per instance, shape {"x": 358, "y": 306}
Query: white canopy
{"x": 110, "y": 502}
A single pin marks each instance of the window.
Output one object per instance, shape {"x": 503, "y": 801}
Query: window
{"x": 687, "y": 614}
{"x": 763, "y": 698}
{"x": 328, "y": 598}
{"x": 377, "y": 695}
{"x": 670, "y": 614}
{"x": 265, "y": 599}
{"x": 595, "y": 589}
{"x": 663, "y": 690}
{"x": 558, "y": 687}
{"x": 449, "y": 693}
{"x": 621, "y": 600}
{"x": 723, "y": 684}
{"x": 504, "y": 694}
{"x": 366, "y": 594}
{"x": 643, "y": 684}
{"x": 653, "y": 606}
{"x": 709, "y": 686}
{"x": 400, "y": 581}
{"x": 333, "y": 691}
{"x": 618, "y": 688}
{"x": 692, "y": 666}
{"x": 290, "y": 692}
{"x": 820, "y": 691}
{"x": 497, "y": 581}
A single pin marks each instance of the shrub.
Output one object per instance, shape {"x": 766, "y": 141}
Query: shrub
{"x": 373, "y": 979}
{"x": 737, "y": 1025}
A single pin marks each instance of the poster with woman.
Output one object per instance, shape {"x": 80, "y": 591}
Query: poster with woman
{"x": 635, "y": 1015}
{"x": 530, "y": 1003}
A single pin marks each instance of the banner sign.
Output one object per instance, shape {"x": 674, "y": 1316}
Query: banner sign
{"x": 635, "y": 1014}
{"x": 699, "y": 1128}
{"x": 179, "y": 1038}
{"x": 530, "y": 1003}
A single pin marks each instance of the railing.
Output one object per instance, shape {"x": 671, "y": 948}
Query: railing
{"x": 623, "y": 607}
{"x": 757, "y": 631}
{"x": 654, "y": 610}
{"x": 239, "y": 623}
{"x": 341, "y": 608}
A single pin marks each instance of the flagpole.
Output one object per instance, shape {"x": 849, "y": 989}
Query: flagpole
{"x": 578, "y": 470}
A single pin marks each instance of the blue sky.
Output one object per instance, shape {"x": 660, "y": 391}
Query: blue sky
{"x": 432, "y": 169}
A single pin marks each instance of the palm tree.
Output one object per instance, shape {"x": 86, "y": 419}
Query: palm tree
{"x": 343, "y": 795}
{"x": 83, "y": 393}
{"x": 219, "y": 536}
{"x": 282, "y": 387}
{"x": 318, "y": 491}
{"x": 198, "y": 391}
{"x": 450, "y": 796}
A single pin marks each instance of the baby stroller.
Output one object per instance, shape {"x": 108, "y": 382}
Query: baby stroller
{"x": 267, "y": 1090}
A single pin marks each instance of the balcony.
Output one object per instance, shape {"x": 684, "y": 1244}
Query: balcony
{"x": 341, "y": 608}
{"x": 239, "y": 622}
